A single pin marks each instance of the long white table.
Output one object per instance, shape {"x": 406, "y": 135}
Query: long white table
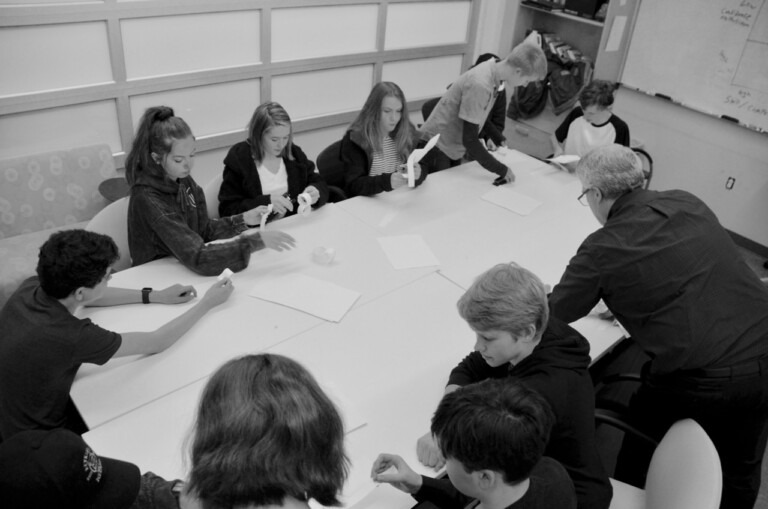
{"x": 243, "y": 324}
{"x": 388, "y": 358}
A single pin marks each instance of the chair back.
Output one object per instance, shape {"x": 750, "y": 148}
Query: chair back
{"x": 685, "y": 471}
{"x": 331, "y": 168}
{"x": 647, "y": 161}
{"x": 428, "y": 106}
{"x": 112, "y": 220}
{"x": 211, "y": 191}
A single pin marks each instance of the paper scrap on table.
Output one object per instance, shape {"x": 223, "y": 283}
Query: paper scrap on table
{"x": 511, "y": 200}
{"x": 308, "y": 294}
{"x": 408, "y": 251}
{"x": 565, "y": 162}
{"x": 417, "y": 156}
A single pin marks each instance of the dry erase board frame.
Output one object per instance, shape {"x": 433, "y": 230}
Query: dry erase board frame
{"x": 709, "y": 56}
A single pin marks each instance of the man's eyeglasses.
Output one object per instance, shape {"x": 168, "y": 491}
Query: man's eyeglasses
{"x": 582, "y": 196}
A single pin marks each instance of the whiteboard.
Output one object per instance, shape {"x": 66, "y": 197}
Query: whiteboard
{"x": 710, "y": 56}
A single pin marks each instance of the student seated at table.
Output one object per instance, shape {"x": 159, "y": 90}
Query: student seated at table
{"x": 592, "y": 124}
{"x": 43, "y": 342}
{"x": 56, "y": 468}
{"x": 268, "y": 168}
{"x": 466, "y": 105}
{"x": 266, "y": 435}
{"x": 378, "y": 143}
{"x": 493, "y": 436}
{"x": 507, "y": 309}
{"x": 167, "y": 214}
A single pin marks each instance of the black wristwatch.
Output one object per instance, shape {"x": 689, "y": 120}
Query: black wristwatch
{"x": 145, "y": 295}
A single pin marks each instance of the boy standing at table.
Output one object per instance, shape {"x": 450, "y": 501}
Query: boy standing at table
{"x": 43, "y": 343}
{"x": 507, "y": 309}
{"x": 493, "y": 435}
{"x": 465, "y": 106}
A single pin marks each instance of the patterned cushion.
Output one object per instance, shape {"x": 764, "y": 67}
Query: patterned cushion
{"x": 60, "y": 188}
{"x": 41, "y": 194}
{"x": 19, "y": 255}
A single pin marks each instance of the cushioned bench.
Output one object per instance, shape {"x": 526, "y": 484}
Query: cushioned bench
{"x": 43, "y": 193}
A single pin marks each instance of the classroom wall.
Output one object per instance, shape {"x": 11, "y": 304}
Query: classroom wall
{"x": 692, "y": 151}
{"x": 82, "y": 73}
{"x": 699, "y": 153}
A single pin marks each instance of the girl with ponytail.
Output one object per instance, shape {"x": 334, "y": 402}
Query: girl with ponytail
{"x": 167, "y": 213}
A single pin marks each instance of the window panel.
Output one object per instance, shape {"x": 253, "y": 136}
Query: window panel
{"x": 175, "y": 44}
{"x": 51, "y": 57}
{"x": 209, "y": 109}
{"x": 59, "y": 129}
{"x": 341, "y": 90}
{"x": 309, "y": 32}
{"x": 426, "y": 24}
{"x": 424, "y": 77}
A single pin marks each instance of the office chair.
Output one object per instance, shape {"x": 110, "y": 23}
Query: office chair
{"x": 211, "y": 191}
{"x": 428, "y": 106}
{"x": 647, "y": 161}
{"x": 112, "y": 220}
{"x": 331, "y": 168}
{"x": 685, "y": 473}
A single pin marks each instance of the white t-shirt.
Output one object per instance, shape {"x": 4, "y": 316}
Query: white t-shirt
{"x": 273, "y": 183}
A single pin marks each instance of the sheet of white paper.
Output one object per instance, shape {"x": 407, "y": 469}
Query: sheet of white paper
{"x": 416, "y": 156}
{"x": 512, "y": 200}
{"x": 351, "y": 416}
{"x": 408, "y": 251}
{"x": 516, "y": 160}
{"x": 617, "y": 31}
{"x": 311, "y": 295}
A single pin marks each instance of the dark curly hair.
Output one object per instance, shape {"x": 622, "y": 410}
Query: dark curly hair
{"x": 71, "y": 259}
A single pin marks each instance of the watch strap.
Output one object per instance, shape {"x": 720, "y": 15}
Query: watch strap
{"x": 145, "y": 295}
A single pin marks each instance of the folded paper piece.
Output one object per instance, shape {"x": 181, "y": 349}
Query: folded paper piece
{"x": 408, "y": 251}
{"x": 265, "y": 216}
{"x": 511, "y": 200}
{"x": 308, "y": 294}
{"x": 226, "y": 274}
{"x": 565, "y": 162}
{"x": 416, "y": 156}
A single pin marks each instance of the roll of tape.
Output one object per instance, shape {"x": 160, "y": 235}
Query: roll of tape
{"x": 323, "y": 255}
{"x": 305, "y": 203}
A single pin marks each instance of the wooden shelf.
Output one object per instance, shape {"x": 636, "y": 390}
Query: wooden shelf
{"x": 561, "y": 14}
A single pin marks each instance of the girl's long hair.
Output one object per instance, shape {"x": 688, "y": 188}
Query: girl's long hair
{"x": 266, "y": 116}
{"x": 157, "y": 130}
{"x": 368, "y": 121}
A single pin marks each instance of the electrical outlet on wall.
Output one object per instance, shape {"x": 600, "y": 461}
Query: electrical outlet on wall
{"x": 729, "y": 182}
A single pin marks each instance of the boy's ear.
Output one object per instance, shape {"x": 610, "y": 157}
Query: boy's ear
{"x": 485, "y": 479}
{"x": 528, "y": 334}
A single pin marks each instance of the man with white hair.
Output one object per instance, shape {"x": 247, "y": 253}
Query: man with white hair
{"x": 672, "y": 276}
